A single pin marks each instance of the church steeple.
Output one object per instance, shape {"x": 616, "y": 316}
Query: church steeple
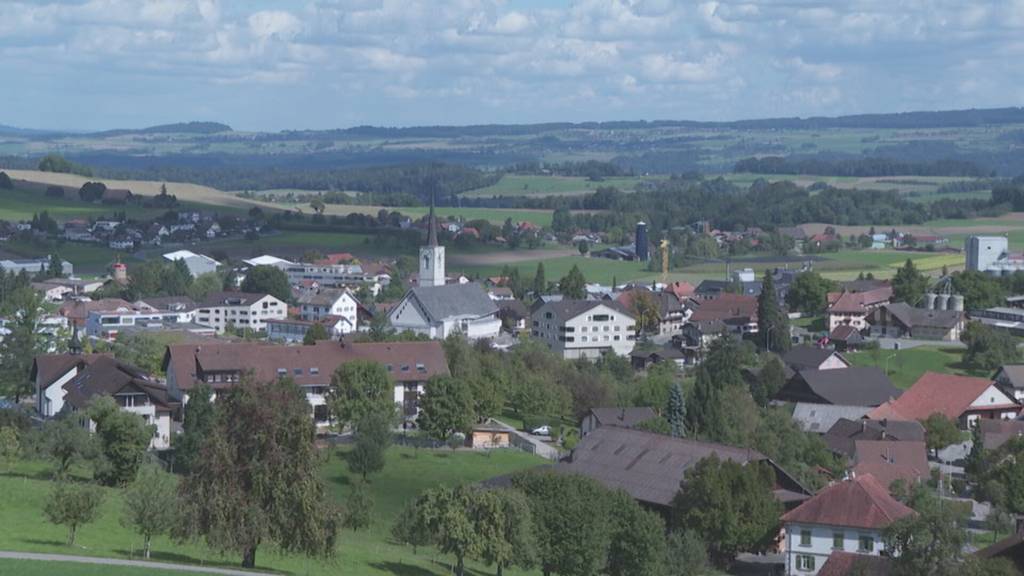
{"x": 431, "y": 255}
{"x": 431, "y": 224}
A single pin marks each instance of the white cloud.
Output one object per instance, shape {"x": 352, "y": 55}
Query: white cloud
{"x": 512, "y": 23}
{"x": 274, "y": 23}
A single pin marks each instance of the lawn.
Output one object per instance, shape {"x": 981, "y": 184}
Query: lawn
{"x": 42, "y": 568}
{"x": 369, "y": 552}
{"x": 906, "y": 366}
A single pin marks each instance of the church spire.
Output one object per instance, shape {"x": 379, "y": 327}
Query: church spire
{"x": 431, "y": 223}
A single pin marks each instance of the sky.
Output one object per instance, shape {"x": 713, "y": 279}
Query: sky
{"x": 319, "y": 64}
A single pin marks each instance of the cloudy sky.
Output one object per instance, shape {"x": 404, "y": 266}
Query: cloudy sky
{"x": 279, "y": 64}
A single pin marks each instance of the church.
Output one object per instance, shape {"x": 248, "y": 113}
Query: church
{"x": 438, "y": 309}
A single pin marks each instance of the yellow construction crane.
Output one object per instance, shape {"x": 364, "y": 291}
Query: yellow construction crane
{"x": 664, "y": 261}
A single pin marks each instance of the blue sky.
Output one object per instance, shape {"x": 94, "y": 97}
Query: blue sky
{"x": 280, "y": 64}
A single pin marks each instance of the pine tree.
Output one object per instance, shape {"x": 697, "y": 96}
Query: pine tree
{"x": 540, "y": 284}
{"x": 573, "y": 285}
{"x": 675, "y": 413}
{"x": 772, "y": 322}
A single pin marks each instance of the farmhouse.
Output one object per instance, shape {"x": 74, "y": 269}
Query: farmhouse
{"x": 806, "y": 357}
{"x": 900, "y": 320}
{"x": 960, "y": 398}
{"x": 852, "y": 308}
{"x": 858, "y": 386}
{"x": 612, "y": 416}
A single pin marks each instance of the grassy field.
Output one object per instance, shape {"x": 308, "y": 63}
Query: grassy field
{"x": 41, "y": 568}
{"x": 906, "y": 366}
{"x": 364, "y": 553}
{"x": 594, "y": 269}
{"x": 530, "y": 185}
{"x": 18, "y": 205}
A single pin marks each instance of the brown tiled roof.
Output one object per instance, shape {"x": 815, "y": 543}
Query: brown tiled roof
{"x": 77, "y": 311}
{"x": 845, "y": 333}
{"x": 806, "y": 357}
{"x": 889, "y": 461}
{"x": 851, "y": 564}
{"x": 998, "y": 432}
{"x": 841, "y": 436}
{"x": 105, "y": 375}
{"x": 625, "y": 417}
{"x": 46, "y": 368}
{"x": 861, "y": 502}
{"x": 406, "y": 361}
{"x": 947, "y": 394}
{"x": 858, "y": 302}
{"x": 725, "y": 307}
{"x": 665, "y": 301}
{"x": 1014, "y": 374}
{"x": 681, "y": 289}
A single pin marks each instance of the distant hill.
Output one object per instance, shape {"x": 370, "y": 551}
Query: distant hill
{"x": 176, "y": 128}
{"x": 6, "y": 130}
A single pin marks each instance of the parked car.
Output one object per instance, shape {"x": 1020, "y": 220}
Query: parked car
{"x": 544, "y": 430}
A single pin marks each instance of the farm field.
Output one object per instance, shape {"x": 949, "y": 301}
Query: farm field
{"x": 907, "y": 365}
{"x": 594, "y": 269}
{"x": 530, "y": 185}
{"x": 16, "y": 205}
{"x": 921, "y": 188}
{"x": 364, "y": 553}
{"x": 493, "y": 215}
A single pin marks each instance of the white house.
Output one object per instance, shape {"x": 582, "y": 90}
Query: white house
{"x": 198, "y": 264}
{"x": 330, "y": 302}
{"x": 848, "y": 516}
{"x": 69, "y": 382}
{"x": 438, "y": 311}
{"x": 584, "y": 328}
{"x": 239, "y": 309}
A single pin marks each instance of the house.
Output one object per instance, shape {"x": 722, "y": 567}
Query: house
{"x": 489, "y": 435}
{"x": 715, "y": 288}
{"x": 900, "y": 320}
{"x": 513, "y": 315}
{"x": 293, "y": 330}
{"x": 806, "y": 357}
{"x": 108, "y": 324}
{"x": 846, "y": 338}
{"x": 197, "y": 264}
{"x": 239, "y": 310}
{"x": 649, "y": 467}
{"x": 890, "y": 461}
{"x": 995, "y": 433}
{"x": 1010, "y": 379}
{"x": 852, "y": 308}
{"x": 614, "y": 416}
{"x": 857, "y": 386}
{"x": 963, "y": 399}
{"x": 584, "y": 328}
{"x": 77, "y": 311}
{"x": 641, "y": 359}
{"x": 268, "y": 260}
{"x": 69, "y": 382}
{"x": 848, "y": 516}
{"x": 820, "y": 418}
{"x": 680, "y": 289}
{"x": 314, "y": 306}
{"x": 737, "y": 312}
{"x": 438, "y": 311}
{"x": 669, "y": 312}
{"x": 845, "y": 432}
{"x": 697, "y": 336}
{"x": 52, "y": 292}
{"x": 853, "y": 564}
{"x": 222, "y": 365}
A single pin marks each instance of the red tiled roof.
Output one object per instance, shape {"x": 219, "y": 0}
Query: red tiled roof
{"x": 726, "y": 306}
{"x": 858, "y": 301}
{"x": 334, "y": 259}
{"x": 947, "y": 394}
{"x": 681, "y": 289}
{"x": 861, "y": 502}
{"x": 849, "y": 563}
{"x": 888, "y": 461}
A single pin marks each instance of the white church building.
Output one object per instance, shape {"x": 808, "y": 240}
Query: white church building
{"x": 437, "y": 309}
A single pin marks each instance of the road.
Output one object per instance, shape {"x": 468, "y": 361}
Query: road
{"x": 131, "y": 563}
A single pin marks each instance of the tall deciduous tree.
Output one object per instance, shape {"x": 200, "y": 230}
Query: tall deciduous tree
{"x": 929, "y": 543}
{"x": 940, "y": 431}
{"x": 358, "y": 389}
{"x": 257, "y": 480}
{"x": 198, "y": 422}
{"x": 151, "y": 504}
{"x": 267, "y": 279}
{"x": 373, "y": 436}
{"x": 769, "y": 381}
{"x": 358, "y": 508}
{"x": 638, "y": 539}
{"x": 909, "y": 285}
{"x": 505, "y": 525}
{"x": 447, "y": 514}
{"x": 65, "y": 442}
{"x": 446, "y": 408}
{"x": 730, "y": 504}
{"x": 988, "y": 348}
{"x": 18, "y": 349}
{"x": 573, "y": 285}
{"x": 772, "y": 322}
{"x": 809, "y": 293}
{"x": 73, "y": 505}
{"x": 123, "y": 438}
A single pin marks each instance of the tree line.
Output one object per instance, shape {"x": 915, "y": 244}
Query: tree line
{"x": 871, "y": 166}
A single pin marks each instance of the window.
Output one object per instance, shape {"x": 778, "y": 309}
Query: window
{"x": 837, "y": 540}
{"x": 805, "y": 537}
{"x": 866, "y": 544}
{"x": 600, "y": 317}
{"x": 805, "y": 563}
{"x": 297, "y": 371}
{"x": 282, "y": 372}
{"x": 314, "y": 371}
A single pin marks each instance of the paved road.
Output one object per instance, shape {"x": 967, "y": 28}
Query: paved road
{"x": 538, "y": 444}
{"x": 132, "y": 563}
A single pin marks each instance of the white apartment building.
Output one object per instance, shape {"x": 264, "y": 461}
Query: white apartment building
{"x": 241, "y": 310}
{"x": 319, "y": 305}
{"x": 585, "y": 328}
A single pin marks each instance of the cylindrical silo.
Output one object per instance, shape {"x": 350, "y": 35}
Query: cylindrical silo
{"x": 929, "y": 300}
{"x": 942, "y": 301}
{"x": 956, "y": 302}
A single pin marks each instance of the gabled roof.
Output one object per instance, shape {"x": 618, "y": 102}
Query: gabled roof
{"x": 650, "y": 466}
{"x": 214, "y": 299}
{"x": 846, "y": 333}
{"x": 858, "y": 302}
{"x": 98, "y": 375}
{"x": 856, "y": 386}
{"x": 1013, "y": 374}
{"x": 947, "y": 394}
{"x": 861, "y": 502}
{"x": 995, "y": 433}
{"x": 666, "y": 302}
{"x": 820, "y": 418}
{"x": 889, "y": 461}
{"x": 920, "y": 317}
{"x": 841, "y": 436}
{"x": 404, "y": 361}
{"x": 852, "y": 564}
{"x": 624, "y": 417}
{"x": 566, "y": 309}
{"x": 725, "y": 307}
{"x": 453, "y": 300}
{"x": 805, "y": 357}
{"x": 324, "y": 297}
{"x": 47, "y": 368}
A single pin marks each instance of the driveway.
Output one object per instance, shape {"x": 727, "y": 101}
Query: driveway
{"x": 533, "y": 444}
